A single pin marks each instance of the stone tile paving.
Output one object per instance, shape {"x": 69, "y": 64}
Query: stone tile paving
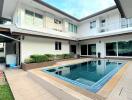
{"x": 123, "y": 90}
{"x": 24, "y": 88}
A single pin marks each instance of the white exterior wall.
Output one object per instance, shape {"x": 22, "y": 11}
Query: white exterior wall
{"x": 112, "y": 23}
{"x": 35, "y": 45}
{"x": 48, "y": 22}
{"x": 101, "y": 43}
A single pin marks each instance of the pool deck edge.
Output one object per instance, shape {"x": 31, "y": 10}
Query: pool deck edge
{"x": 110, "y": 85}
{"x": 77, "y": 92}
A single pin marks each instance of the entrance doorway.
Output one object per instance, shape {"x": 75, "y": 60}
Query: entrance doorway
{"x": 9, "y": 50}
{"x": 73, "y": 49}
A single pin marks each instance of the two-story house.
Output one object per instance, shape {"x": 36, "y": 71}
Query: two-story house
{"x": 35, "y": 27}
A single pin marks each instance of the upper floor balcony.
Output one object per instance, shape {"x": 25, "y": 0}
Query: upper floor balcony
{"x": 122, "y": 24}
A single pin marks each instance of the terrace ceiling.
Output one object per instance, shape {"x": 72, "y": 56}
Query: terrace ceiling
{"x": 125, "y": 7}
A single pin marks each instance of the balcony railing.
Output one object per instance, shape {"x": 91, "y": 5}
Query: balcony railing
{"x": 124, "y": 23}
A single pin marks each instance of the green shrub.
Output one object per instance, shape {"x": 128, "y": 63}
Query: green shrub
{"x": 59, "y": 57}
{"x": 66, "y": 56}
{"x": 39, "y": 58}
{"x": 50, "y": 57}
{"x": 46, "y": 57}
{"x": 28, "y": 60}
{"x": 63, "y": 56}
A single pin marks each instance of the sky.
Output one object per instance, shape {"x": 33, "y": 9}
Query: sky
{"x": 81, "y": 8}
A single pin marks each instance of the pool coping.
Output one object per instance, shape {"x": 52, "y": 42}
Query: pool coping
{"x": 100, "y": 95}
{"x": 109, "y": 86}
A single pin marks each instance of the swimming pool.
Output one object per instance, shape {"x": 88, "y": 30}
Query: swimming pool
{"x": 91, "y": 75}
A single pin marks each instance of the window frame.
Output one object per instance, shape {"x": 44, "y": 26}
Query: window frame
{"x": 93, "y": 24}
{"x": 35, "y": 16}
{"x": 90, "y": 48}
{"x": 72, "y": 27}
{"x": 58, "y": 45}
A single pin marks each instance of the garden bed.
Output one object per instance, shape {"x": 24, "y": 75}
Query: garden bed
{"x": 42, "y": 64}
{"x": 37, "y": 61}
{"x": 37, "y": 65}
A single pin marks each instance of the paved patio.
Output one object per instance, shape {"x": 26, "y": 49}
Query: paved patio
{"x": 123, "y": 90}
{"x": 24, "y": 88}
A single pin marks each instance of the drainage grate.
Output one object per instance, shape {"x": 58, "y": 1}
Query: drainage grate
{"x": 121, "y": 91}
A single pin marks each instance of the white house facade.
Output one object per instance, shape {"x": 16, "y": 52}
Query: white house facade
{"x": 43, "y": 29}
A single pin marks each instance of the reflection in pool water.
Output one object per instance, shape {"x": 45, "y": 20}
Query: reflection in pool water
{"x": 87, "y": 73}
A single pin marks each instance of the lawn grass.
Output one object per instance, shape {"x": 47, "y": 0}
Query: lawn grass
{"x": 5, "y": 92}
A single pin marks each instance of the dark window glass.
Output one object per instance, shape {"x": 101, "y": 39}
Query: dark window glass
{"x": 72, "y": 28}
{"x": 125, "y": 48}
{"x": 57, "y": 45}
{"x": 92, "y": 49}
{"x": 111, "y": 49}
{"x": 73, "y": 49}
{"x": 1, "y": 49}
{"x": 29, "y": 13}
{"x": 92, "y": 24}
{"x": 103, "y": 23}
{"x": 57, "y": 21}
{"x": 38, "y": 16}
{"x": 83, "y": 49}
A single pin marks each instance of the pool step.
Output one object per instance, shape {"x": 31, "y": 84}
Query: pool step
{"x": 84, "y": 81}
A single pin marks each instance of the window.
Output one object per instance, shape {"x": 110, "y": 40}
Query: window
{"x": 73, "y": 49}
{"x": 83, "y": 49}
{"x": 125, "y": 48}
{"x": 111, "y": 49}
{"x": 130, "y": 22}
{"x": 92, "y": 24}
{"x": 57, "y": 25}
{"x": 1, "y": 47}
{"x": 38, "y": 20}
{"x": 57, "y": 45}
{"x": 75, "y": 29}
{"x": 102, "y": 30}
{"x": 56, "y": 21}
{"x": 33, "y": 18}
{"x": 29, "y": 17}
{"x": 92, "y": 49}
{"x": 124, "y": 23}
{"x": 103, "y": 23}
{"x": 72, "y": 28}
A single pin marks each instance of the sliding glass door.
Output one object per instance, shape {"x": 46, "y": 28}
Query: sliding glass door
{"x": 121, "y": 48}
{"x": 111, "y": 49}
{"x": 91, "y": 49}
{"x": 125, "y": 48}
{"x": 83, "y": 49}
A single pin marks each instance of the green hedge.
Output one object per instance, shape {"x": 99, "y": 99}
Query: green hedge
{"x": 50, "y": 57}
{"x": 39, "y": 58}
{"x": 46, "y": 57}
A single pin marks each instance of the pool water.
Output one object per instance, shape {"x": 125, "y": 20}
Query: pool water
{"x": 91, "y": 75}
